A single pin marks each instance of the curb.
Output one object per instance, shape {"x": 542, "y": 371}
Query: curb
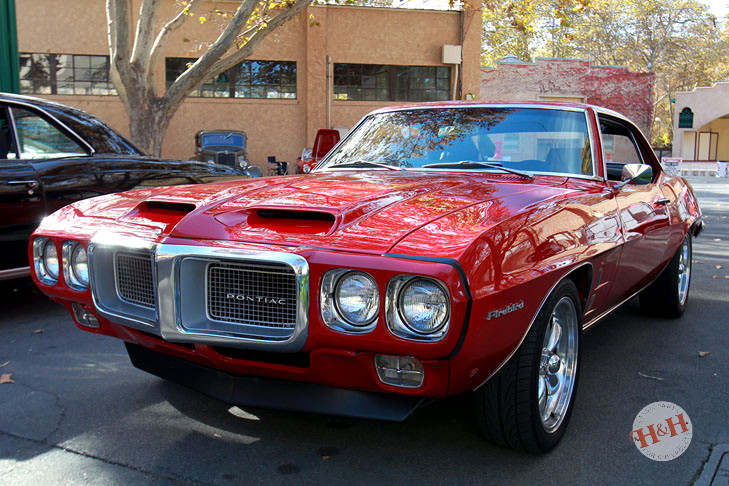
{"x": 716, "y": 469}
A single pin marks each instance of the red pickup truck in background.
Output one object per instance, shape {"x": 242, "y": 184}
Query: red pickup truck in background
{"x": 326, "y": 138}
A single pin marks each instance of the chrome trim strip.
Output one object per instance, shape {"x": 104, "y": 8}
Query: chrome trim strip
{"x": 544, "y": 300}
{"x": 11, "y": 273}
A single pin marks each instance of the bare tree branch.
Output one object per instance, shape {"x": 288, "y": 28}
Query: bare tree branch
{"x": 228, "y": 62}
{"x": 168, "y": 29}
{"x": 145, "y": 33}
{"x": 117, "y": 15}
{"x": 200, "y": 69}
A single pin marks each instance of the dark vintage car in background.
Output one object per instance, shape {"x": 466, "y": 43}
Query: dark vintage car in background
{"x": 437, "y": 250}
{"x": 225, "y": 147}
{"x": 52, "y": 155}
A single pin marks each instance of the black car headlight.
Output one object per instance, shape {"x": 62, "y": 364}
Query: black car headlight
{"x": 418, "y": 308}
{"x": 350, "y": 300}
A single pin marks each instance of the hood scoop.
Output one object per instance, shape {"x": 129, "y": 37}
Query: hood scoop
{"x": 167, "y": 207}
{"x": 159, "y": 214}
{"x": 281, "y": 220}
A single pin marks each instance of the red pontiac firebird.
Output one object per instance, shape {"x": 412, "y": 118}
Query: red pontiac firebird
{"x": 439, "y": 249}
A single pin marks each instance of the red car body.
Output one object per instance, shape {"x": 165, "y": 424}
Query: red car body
{"x": 498, "y": 243}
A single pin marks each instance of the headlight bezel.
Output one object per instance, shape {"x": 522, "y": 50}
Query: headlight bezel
{"x": 331, "y": 312}
{"x": 70, "y": 273}
{"x": 40, "y": 265}
{"x": 396, "y": 321}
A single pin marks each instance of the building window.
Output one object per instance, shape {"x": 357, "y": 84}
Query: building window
{"x": 686, "y": 118}
{"x": 72, "y": 74}
{"x": 249, "y": 79}
{"x": 374, "y": 82}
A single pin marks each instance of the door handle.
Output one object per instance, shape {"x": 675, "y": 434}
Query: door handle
{"x": 31, "y": 185}
{"x": 662, "y": 202}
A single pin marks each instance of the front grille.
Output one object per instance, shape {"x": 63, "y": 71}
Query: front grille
{"x": 251, "y": 293}
{"x": 226, "y": 159}
{"x": 134, "y": 278}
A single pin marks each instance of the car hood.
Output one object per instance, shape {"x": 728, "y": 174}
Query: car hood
{"x": 358, "y": 211}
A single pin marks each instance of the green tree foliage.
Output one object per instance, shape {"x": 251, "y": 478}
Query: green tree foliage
{"x": 679, "y": 40}
{"x": 523, "y": 28}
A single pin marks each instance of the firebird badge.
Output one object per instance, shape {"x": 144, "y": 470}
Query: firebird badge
{"x": 506, "y": 310}
{"x": 255, "y": 298}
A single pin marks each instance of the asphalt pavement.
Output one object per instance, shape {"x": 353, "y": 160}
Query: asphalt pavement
{"x": 77, "y": 412}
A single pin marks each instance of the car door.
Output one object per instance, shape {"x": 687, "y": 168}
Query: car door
{"x": 21, "y": 202}
{"x": 63, "y": 161}
{"x": 644, "y": 207}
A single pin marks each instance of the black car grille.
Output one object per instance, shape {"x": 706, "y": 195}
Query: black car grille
{"x": 252, "y": 293}
{"x": 134, "y": 278}
{"x": 226, "y": 159}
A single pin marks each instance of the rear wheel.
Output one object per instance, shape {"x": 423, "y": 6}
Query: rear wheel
{"x": 528, "y": 403}
{"x": 668, "y": 294}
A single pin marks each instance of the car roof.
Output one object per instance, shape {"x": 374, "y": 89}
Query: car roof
{"x": 80, "y": 124}
{"x": 500, "y": 104}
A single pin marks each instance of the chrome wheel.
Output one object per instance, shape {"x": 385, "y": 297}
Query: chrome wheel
{"x": 684, "y": 271}
{"x": 558, "y": 365}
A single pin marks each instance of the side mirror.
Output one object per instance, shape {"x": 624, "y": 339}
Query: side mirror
{"x": 635, "y": 174}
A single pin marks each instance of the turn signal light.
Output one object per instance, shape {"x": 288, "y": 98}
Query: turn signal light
{"x": 399, "y": 371}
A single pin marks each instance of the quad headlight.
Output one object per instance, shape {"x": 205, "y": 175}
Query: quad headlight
{"x": 357, "y": 298}
{"x": 45, "y": 260}
{"x": 75, "y": 265}
{"x": 418, "y": 308}
{"x": 350, "y": 300}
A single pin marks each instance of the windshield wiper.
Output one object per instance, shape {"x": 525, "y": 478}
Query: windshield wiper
{"x": 474, "y": 164}
{"x": 366, "y": 163}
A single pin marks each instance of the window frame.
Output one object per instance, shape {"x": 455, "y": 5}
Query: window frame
{"x": 54, "y": 84}
{"x": 232, "y": 82}
{"x": 395, "y": 76}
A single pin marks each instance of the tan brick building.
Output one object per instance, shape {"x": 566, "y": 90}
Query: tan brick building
{"x": 282, "y": 95}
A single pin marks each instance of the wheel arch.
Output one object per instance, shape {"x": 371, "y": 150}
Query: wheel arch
{"x": 582, "y": 277}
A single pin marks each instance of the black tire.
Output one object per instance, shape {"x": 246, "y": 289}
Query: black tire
{"x": 668, "y": 294}
{"x": 507, "y": 407}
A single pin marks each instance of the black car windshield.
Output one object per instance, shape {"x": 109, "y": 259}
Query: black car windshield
{"x": 548, "y": 140}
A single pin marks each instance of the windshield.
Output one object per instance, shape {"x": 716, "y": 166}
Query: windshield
{"x": 549, "y": 140}
{"x": 233, "y": 139}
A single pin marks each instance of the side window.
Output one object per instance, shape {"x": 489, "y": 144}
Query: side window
{"x": 618, "y": 146}
{"x": 39, "y": 139}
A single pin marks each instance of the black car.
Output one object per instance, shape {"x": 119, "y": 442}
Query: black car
{"x": 52, "y": 155}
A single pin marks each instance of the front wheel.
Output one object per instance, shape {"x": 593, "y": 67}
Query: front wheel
{"x": 528, "y": 403}
{"x": 668, "y": 294}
